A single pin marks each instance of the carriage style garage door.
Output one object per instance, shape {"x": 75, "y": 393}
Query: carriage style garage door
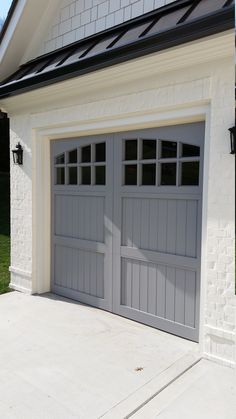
{"x": 126, "y": 223}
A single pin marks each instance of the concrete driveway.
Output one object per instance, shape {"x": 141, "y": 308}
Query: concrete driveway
{"x": 206, "y": 391}
{"x": 63, "y": 360}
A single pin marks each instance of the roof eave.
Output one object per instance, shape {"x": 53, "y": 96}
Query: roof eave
{"x": 209, "y": 25}
{"x": 8, "y": 19}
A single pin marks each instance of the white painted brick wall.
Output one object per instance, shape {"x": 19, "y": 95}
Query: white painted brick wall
{"x": 77, "y": 19}
{"x": 21, "y": 206}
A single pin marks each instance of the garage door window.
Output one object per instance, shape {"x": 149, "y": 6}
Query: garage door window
{"x": 60, "y": 176}
{"x": 86, "y": 175}
{"x": 168, "y": 174}
{"x": 72, "y": 156}
{"x": 157, "y": 162}
{"x": 82, "y": 166}
{"x": 190, "y": 173}
{"x": 149, "y": 149}
{"x": 168, "y": 149}
{"x": 72, "y": 171}
{"x": 60, "y": 159}
{"x": 131, "y": 150}
{"x": 60, "y": 169}
{"x": 86, "y": 154}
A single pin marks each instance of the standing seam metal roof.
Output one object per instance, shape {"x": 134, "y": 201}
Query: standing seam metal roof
{"x": 171, "y": 25}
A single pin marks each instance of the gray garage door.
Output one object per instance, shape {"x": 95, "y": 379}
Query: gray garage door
{"x": 126, "y": 212}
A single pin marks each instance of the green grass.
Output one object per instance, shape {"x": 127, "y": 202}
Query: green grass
{"x": 4, "y": 232}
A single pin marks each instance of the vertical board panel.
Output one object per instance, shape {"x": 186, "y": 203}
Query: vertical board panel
{"x": 191, "y": 233}
{"x": 127, "y": 222}
{"x": 79, "y": 217}
{"x": 86, "y": 256}
{"x": 68, "y": 267}
{"x": 181, "y": 227}
{"x": 180, "y": 296}
{"x": 79, "y": 270}
{"x": 93, "y": 219}
{"x": 100, "y": 275}
{"x": 81, "y": 274}
{"x": 162, "y": 227}
{"x": 93, "y": 274}
{"x": 161, "y": 291}
{"x": 79, "y": 231}
{"x": 170, "y": 293}
{"x": 135, "y": 285}
{"x": 144, "y": 225}
{"x": 144, "y": 287}
{"x": 75, "y": 283}
{"x": 75, "y": 216}
{"x": 57, "y": 265}
{"x": 57, "y": 215}
{"x": 129, "y": 276}
{"x": 99, "y": 216}
{"x": 136, "y": 223}
{"x": 190, "y": 298}
{"x": 152, "y": 287}
{"x": 123, "y": 282}
{"x": 123, "y": 222}
{"x": 67, "y": 217}
{"x": 153, "y": 220}
{"x": 171, "y": 226}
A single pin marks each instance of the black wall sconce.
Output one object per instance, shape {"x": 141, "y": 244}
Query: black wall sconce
{"x": 18, "y": 154}
{"x": 232, "y": 140}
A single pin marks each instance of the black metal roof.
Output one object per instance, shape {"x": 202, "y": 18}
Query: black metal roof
{"x": 179, "y": 22}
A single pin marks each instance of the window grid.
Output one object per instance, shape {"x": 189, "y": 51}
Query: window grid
{"x": 79, "y": 165}
{"x": 158, "y": 161}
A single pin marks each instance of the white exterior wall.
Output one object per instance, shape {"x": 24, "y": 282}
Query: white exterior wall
{"x": 21, "y": 211}
{"x": 76, "y": 20}
{"x": 134, "y": 95}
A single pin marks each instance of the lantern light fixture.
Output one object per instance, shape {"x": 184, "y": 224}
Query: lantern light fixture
{"x": 18, "y": 154}
{"x": 232, "y": 140}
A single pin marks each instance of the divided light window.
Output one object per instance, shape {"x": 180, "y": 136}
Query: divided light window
{"x": 157, "y": 162}
{"x": 85, "y": 165}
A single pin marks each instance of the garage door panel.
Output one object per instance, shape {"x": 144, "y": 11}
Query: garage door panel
{"x": 191, "y": 228}
{"x": 160, "y": 323}
{"x": 135, "y": 288}
{"x": 190, "y": 298}
{"x": 161, "y": 290}
{"x": 180, "y": 296}
{"x": 79, "y": 296}
{"x": 80, "y": 244}
{"x": 79, "y": 270}
{"x": 166, "y": 292}
{"x": 170, "y": 293}
{"x": 80, "y": 217}
{"x": 126, "y": 228}
{"x": 161, "y": 225}
{"x": 152, "y": 290}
